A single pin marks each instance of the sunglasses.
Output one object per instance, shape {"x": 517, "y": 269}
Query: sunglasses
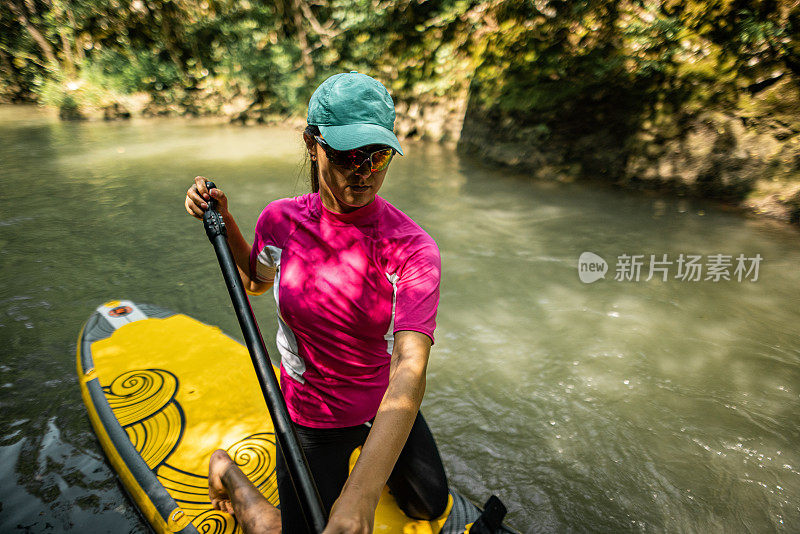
{"x": 354, "y": 159}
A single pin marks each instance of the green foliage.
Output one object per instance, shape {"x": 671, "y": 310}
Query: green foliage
{"x": 554, "y": 62}
{"x": 73, "y": 97}
{"x": 418, "y": 48}
{"x": 539, "y": 60}
{"x": 131, "y": 72}
{"x": 249, "y": 49}
{"x": 610, "y": 61}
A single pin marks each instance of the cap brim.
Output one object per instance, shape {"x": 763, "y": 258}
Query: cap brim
{"x": 351, "y": 136}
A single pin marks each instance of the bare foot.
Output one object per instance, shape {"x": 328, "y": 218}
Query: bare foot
{"x": 230, "y": 490}
{"x": 219, "y": 464}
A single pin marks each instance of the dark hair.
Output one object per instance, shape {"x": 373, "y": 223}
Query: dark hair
{"x": 313, "y": 130}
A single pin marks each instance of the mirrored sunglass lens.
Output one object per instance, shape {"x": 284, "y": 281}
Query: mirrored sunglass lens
{"x": 381, "y": 159}
{"x": 348, "y": 158}
{"x": 352, "y": 159}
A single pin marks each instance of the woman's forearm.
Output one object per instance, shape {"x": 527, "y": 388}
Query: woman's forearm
{"x": 198, "y": 198}
{"x": 394, "y": 419}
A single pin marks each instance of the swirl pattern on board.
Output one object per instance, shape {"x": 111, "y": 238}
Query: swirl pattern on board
{"x": 255, "y": 456}
{"x": 144, "y": 403}
{"x": 214, "y": 522}
{"x": 157, "y": 436}
{"x": 139, "y": 394}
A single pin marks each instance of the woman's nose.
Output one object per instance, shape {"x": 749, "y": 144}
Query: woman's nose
{"x": 365, "y": 169}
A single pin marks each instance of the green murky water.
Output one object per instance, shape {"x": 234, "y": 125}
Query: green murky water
{"x": 666, "y": 406}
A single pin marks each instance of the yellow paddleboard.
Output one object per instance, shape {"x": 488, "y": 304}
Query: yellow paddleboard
{"x": 163, "y": 391}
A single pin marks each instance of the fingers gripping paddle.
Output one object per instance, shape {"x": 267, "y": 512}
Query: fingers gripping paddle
{"x": 287, "y": 438}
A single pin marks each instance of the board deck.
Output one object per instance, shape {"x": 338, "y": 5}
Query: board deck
{"x": 163, "y": 391}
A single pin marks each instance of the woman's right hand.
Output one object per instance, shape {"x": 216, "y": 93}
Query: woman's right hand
{"x": 197, "y": 198}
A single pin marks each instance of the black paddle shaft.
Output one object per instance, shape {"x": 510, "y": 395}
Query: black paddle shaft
{"x": 296, "y": 462}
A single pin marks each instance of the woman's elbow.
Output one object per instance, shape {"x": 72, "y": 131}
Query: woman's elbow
{"x": 257, "y": 288}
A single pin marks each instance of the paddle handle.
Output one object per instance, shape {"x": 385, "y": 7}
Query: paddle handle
{"x": 296, "y": 462}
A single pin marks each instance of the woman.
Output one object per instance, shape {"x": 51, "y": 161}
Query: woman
{"x": 357, "y": 286}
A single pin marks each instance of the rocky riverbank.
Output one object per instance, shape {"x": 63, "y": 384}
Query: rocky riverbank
{"x": 746, "y": 156}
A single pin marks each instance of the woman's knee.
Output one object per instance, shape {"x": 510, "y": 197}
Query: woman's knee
{"x": 427, "y": 505}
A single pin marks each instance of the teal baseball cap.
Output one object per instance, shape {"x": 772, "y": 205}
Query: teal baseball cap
{"x": 353, "y": 110}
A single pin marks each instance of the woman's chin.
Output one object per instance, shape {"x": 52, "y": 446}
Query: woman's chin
{"x": 346, "y": 201}
{"x": 358, "y": 200}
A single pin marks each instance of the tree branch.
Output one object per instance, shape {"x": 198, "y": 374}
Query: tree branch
{"x": 302, "y": 36}
{"x": 325, "y": 33}
{"x": 37, "y": 36}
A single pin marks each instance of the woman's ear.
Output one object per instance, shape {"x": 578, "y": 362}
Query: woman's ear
{"x": 311, "y": 145}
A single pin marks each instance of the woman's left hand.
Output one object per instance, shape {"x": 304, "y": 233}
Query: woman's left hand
{"x": 351, "y": 514}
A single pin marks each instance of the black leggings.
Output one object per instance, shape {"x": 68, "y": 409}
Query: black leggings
{"x": 418, "y": 481}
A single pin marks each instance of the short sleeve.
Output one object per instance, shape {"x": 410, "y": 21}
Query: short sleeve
{"x": 262, "y": 263}
{"x": 418, "y": 291}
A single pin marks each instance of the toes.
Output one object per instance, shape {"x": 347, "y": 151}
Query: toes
{"x": 228, "y": 507}
{"x": 223, "y": 505}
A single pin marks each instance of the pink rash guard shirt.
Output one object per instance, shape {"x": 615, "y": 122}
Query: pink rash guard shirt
{"x": 343, "y": 285}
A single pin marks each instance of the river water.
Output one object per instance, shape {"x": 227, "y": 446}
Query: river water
{"x": 618, "y": 405}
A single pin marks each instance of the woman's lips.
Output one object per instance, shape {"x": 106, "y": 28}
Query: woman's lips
{"x": 360, "y": 188}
